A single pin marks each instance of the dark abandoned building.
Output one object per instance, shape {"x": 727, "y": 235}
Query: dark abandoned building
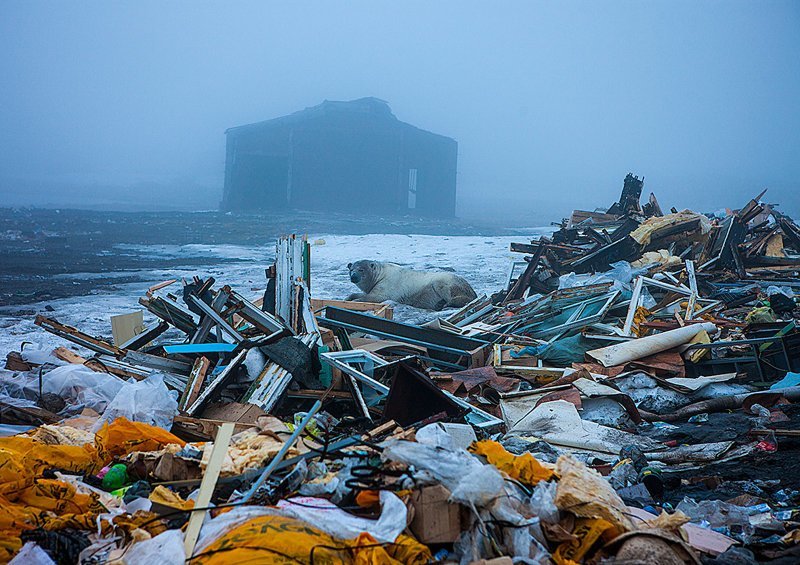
{"x": 346, "y": 156}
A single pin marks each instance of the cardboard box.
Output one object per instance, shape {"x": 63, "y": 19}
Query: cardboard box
{"x": 435, "y": 519}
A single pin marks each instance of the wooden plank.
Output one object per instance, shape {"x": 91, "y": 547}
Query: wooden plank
{"x": 161, "y": 285}
{"x": 69, "y": 356}
{"x": 207, "y": 485}
{"x": 774, "y": 246}
{"x": 529, "y": 248}
{"x": 318, "y": 394}
{"x": 203, "y": 429}
{"x": 207, "y": 322}
{"x": 376, "y": 308}
{"x": 171, "y": 312}
{"x": 519, "y": 287}
{"x": 580, "y": 216}
{"x": 15, "y": 362}
{"x": 34, "y": 416}
{"x": 215, "y": 318}
{"x": 147, "y": 336}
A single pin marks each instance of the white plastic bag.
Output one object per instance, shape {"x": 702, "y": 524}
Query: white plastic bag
{"x": 785, "y": 290}
{"x": 331, "y": 519}
{"x": 446, "y": 466}
{"x": 32, "y": 554}
{"x": 147, "y": 401}
{"x": 468, "y": 480}
{"x": 434, "y": 435}
{"x": 543, "y": 502}
{"x": 164, "y": 549}
{"x": 480, "y": 487}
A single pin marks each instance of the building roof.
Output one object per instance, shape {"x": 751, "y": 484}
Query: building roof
{"x": 369, "y": 105}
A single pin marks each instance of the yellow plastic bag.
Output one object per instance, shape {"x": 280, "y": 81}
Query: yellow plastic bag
{"x": 28, "y": 501}
{"x": 587, "y": 531}
{"x": 525, "y": 468}
{"x": 46, "y": 503}
{"x": 22, "y": 459}
{"x": 162, "y": 495}
{"x": 122, "y": 436}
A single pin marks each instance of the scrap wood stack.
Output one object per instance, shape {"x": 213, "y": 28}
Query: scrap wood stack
{"x": 631, "y": 394}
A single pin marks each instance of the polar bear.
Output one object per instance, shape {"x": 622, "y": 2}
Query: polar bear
{"x": 430, "y": 290}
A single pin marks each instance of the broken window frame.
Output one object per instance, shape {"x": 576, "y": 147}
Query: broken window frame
{"x": 576, "y": 319}
{"x": 344, "y": 360}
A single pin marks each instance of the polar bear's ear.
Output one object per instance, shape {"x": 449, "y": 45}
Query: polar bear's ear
{"x": 349, "y": 265}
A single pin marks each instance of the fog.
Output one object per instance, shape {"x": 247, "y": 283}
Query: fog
{"x": 124, "y": 105}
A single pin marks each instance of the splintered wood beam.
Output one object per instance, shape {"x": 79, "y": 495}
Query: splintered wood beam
{"x": 216, "y": 318}
{"x": 76, "y": 336}
{"x": 195, "y": 383}
{"x": 171, "y": 312}
{"x": 216, "y": 384}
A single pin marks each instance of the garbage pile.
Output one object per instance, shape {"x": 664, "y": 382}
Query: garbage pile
{"x": 632, "y": 394}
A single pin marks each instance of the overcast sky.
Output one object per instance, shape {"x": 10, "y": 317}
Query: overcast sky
{"x": 551, "y": 103}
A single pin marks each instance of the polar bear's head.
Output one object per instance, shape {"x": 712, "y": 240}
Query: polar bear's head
{"x": 364, "y": 274}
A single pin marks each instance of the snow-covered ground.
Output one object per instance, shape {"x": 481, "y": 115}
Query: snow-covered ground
{"x": 483, "y": 260}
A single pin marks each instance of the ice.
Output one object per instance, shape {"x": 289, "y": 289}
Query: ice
{"x": 483, "y": 260}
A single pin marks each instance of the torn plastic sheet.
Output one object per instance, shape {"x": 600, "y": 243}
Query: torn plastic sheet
{"x": 648, "y": 395}
{"x": 585, "y": 493}
{"x": 688, "y": 385}
{"x": 620, "y": 275}
{"x": 446, "y": 465}
{"x": 559, "y": 423}
{"x": 79, "y": 386}
{"x": 698, "y": 452}
{"x": 32, "y": 554}
{"x": 215, "y": 528}
{"x": 478, "y": 486}
{"x": 565, "y": 351}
